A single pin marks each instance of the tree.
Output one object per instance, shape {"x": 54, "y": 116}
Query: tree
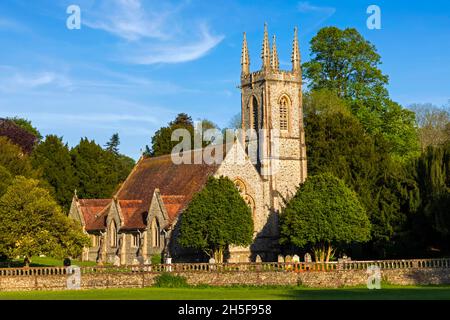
{"x": 433, "y": 123}
{"x": 98, "y": 172}
{"x": 13, "y": 159}
{"x": 431, "y": 224}
{"x": 33, "y": 223}
{"x": 17, "y": 135}
{"x": 113, "y": 144}
{"x": 27, "y": 126}
{"x": 52, "y": 158}
{"x": 5, "y": 179}
{"x": 345, "y": 63}
{"x": 162, "y": 143}
{"x": 216, "y": 218}
{"x": 337, "y": 143}
{"x": 324, "y": 213}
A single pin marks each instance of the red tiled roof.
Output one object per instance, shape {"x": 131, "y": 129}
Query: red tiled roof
{"x": 174, "y": 204}
{"x": 177, "y": 183}
{"x": 94, "y": 213}
{"x": 134, "y": 214}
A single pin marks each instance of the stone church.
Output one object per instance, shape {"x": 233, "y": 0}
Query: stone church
{"x": 141, "y": 220}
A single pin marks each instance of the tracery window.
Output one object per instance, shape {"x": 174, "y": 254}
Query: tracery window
{"x": 284, "y": 113}
{"x": 155, "y": 233}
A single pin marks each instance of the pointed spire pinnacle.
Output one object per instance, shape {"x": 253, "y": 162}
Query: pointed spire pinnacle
{"x": 265, "y": 50}
{"x": 245, "y": 59}
{"x": 274, "y": 57}
{"x": 295, "y": 58}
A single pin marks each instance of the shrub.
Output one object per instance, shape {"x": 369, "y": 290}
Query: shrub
{"x": 156, "y": 259}
{"x": 167, "y": 280}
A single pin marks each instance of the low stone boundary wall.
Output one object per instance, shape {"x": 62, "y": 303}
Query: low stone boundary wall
{"x": 332, "y": 275}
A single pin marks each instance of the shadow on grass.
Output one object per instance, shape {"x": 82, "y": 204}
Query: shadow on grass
{"x": 405, "y": 293}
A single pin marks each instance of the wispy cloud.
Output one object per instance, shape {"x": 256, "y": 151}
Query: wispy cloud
{"x": 322, "y": 12}
{"x": 12, "y": 79}
{"x": 153, "y": 33}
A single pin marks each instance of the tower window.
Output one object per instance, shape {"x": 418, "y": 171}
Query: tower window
{"x": 284, "y": 113}
{"x": 255, "y": 113}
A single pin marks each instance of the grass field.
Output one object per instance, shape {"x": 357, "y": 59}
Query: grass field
{"x": 239, "y": 293}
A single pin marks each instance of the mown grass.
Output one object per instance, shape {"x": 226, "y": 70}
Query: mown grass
{"x": 240, "y": 293}
{"x": 46, "y": 262}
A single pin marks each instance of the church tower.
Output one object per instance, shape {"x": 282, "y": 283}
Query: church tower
{"x": 271, "y": 102}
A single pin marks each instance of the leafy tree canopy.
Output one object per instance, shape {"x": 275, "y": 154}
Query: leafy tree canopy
{"x": 324, "y": 213}
{"x": 33, "y": 223}
{"x": 27, "y": 126}
{"x": 113, "y": 144}
{"x": 345, "y": 63}
{"x": 52, "y": 158}
{"x": 216, "y": 217}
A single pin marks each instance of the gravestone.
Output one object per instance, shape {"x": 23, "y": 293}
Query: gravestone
{"x": 295, "y": 258}
{"x": 280, "y": 259}
{"x": 308, "y": 257}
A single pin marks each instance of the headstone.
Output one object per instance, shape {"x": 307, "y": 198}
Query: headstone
{"x": 288, "y": 259}
{"x": 140, "y": 259}
{"x": 295, "y": 258}
{"x": 280, "y": 258}
{"x": 258, "y": 259}
{"x": 212, "y": 261}
{"x": 116, "y": 261}
{"x": 308, "y": 257}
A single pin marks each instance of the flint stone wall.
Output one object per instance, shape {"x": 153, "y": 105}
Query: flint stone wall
{"x": 318, "y": 279}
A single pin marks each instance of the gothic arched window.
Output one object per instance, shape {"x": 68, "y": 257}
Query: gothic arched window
{"x": 113, "y": 234}
{"x": 155, "y": 233}
{"x": 284, "y": 113}
{"x": 255, "y": 113}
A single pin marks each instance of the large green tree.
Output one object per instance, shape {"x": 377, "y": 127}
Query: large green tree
{"x": 33, "y": 224}
{"x": 337, "y": 143}
{"x": 345, "y": 63}
{"x": 98, "y": 172}
{"x": 113, "y": 144}
{"x": 162, "y": 143}
{"x": 324, "y": 213}
{"x": 431, "y": 224}
{"x": 216, "y": 218}
{"x": 52, "y": 158}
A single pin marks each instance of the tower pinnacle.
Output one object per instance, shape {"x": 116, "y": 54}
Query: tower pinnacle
{"x": 245, "y": 59}
{"x": 265, "y": 50}
{"x": 295, "y": 58}
{"x": 274, "y": 58}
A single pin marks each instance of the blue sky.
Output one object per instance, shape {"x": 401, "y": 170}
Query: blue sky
{"x": 134, "y": 64}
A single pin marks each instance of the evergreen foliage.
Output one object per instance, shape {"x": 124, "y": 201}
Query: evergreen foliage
{"x": 216, "y": 218}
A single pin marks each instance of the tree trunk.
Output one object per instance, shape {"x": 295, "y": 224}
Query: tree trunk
{"x": 329, "y": 250}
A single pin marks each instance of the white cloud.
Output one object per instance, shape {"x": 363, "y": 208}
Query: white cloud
{"x": 12, "y": 80}
{"x": 178, "y": 52}
{"x": 306, "y": 7}
{"x": 152, "y": 33}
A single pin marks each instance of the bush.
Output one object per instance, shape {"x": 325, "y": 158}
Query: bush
{"x": 167, "y": 280}
{"x": 156, "y": 259}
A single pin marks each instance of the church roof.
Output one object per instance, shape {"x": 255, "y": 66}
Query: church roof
{"x": 174, "y": 204}
{"x": 134, "y": 214}
{"x": 94, "y": 212}
{"x": 177, "y": 183}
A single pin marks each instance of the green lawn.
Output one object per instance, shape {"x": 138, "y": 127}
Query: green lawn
{"x": 389, "y": 292}
{"x": 48, "y": 262}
